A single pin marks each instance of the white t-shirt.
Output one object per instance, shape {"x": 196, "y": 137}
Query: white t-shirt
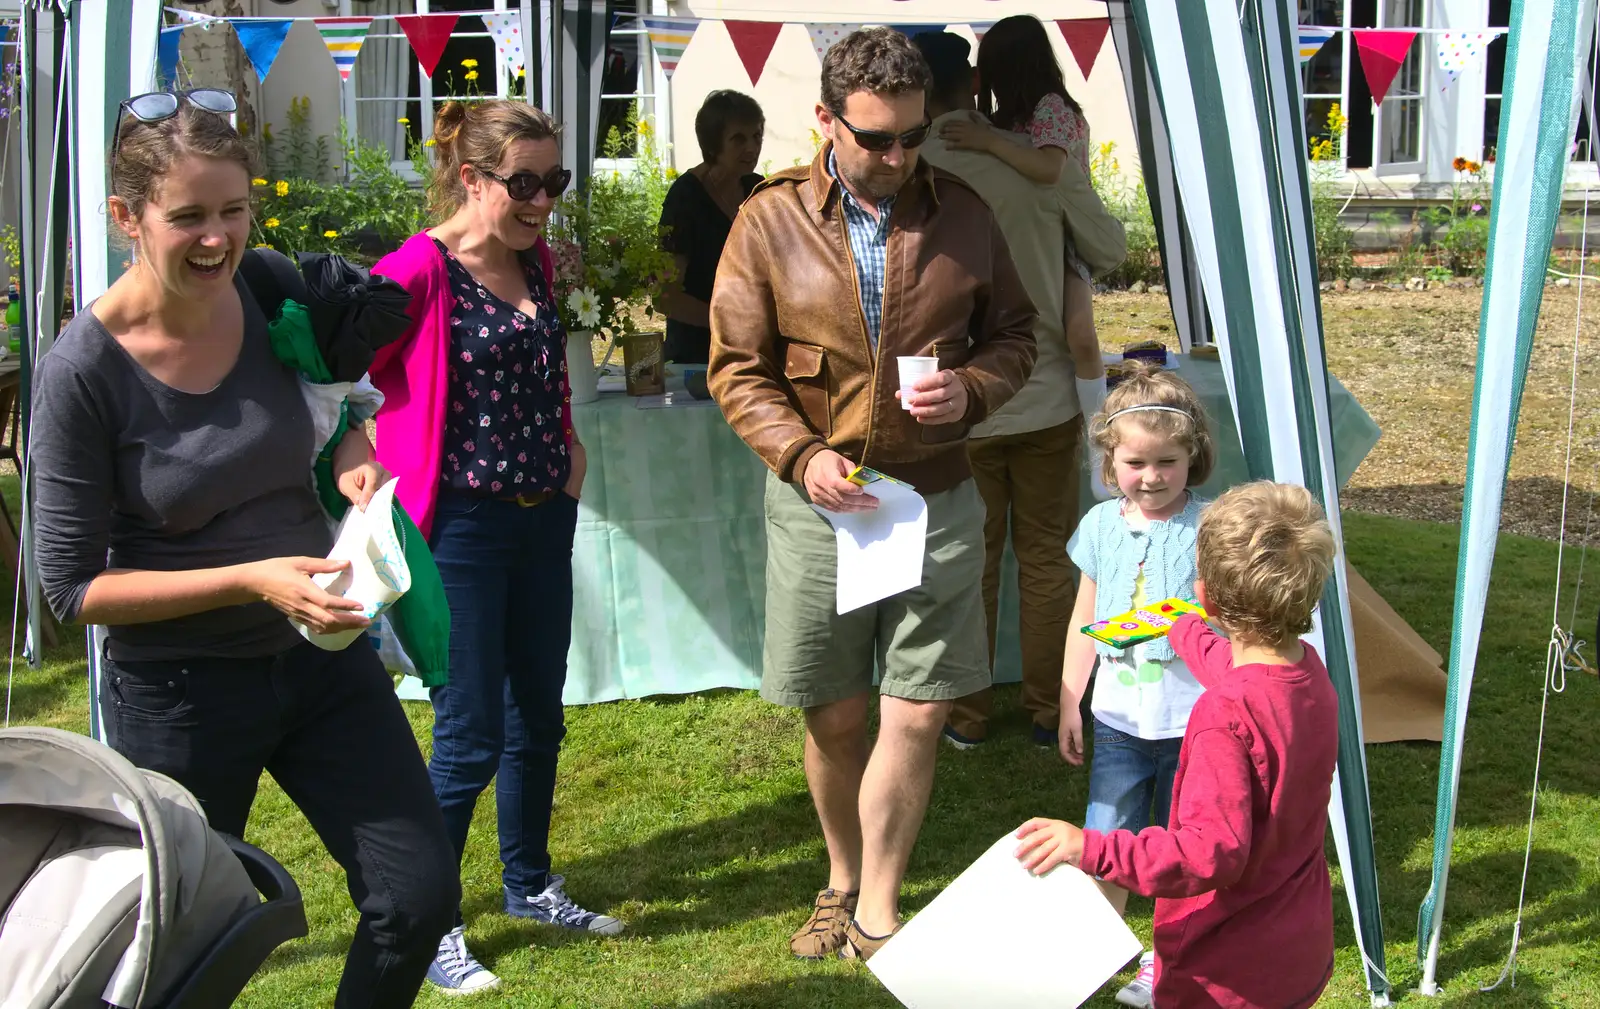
{"x": 1139, "y": 696}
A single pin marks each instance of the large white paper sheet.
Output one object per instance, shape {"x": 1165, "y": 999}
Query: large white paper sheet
{"x": 1001, "y": 937}
{"x": 880, "y": 551}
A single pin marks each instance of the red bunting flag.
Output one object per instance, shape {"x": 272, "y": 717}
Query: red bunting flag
{"x": 428, "y": 35}
{"x": 1381, "y": 54}
{"x": 1085, "y": 37}
{"x": 753, "y": 41}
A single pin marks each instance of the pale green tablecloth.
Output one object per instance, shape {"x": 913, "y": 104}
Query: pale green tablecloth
{"x": 669, "y": 563}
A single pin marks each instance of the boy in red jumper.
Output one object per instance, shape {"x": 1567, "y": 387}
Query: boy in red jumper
{"x": 1244, "y": 912}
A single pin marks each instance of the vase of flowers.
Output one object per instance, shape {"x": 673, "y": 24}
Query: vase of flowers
{"x": 606, "y": 248}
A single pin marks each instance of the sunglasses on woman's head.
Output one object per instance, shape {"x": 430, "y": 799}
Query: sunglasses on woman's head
{"x": 156, "y": 106}
{"x": 877, "y": 141}
{"x": 523, "y": 186}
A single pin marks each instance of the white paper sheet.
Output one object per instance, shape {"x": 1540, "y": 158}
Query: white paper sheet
{"x": 1000, "y": 937}
{"x": 880, "y": 551}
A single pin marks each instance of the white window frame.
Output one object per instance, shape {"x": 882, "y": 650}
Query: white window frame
{"x": 1343, "y": 97}
{"x": 502, "y": 76}
{"x": 654, "y": 103}
{"x": 1422, "y": 51}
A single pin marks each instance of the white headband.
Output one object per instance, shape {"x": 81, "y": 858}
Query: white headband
{"x": 1147, "y": 407}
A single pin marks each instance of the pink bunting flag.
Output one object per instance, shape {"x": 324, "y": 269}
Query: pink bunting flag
{"x": 753, "y": 41}
{"x": 1381, "y": 54}
{"x": 428, "y": 35}
{"x": 1085, "y": 37}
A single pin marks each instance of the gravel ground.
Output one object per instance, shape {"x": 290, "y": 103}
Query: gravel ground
{"x": 1409, "y": 358}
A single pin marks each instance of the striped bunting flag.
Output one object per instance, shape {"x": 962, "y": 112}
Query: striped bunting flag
{"x": 670, "y": 37}
{"x": 1229, "y": 93}
{"x": 343, "y": 37}
{"x": 1312, "y": 40}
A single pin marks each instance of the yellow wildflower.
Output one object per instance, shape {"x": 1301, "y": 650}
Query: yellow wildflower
{"x": 469, "y": 64}
{"x": 472, "y": 75}
{"x": 271, "y": 222}
{"x": 403, "y": 121}
{"x": 282, "y": 188}
{"x": 330, "y": 234}
{"x": 644, "y": 128}
{"x": 263, "y": 245}
{"x": 428, "y": 142}
{"x": 522, "y": 72}
{"x": 258, "y": 182}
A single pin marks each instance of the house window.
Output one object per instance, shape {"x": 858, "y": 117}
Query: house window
{"x": 394, "y": 102}
{"x": 1322, "y": 78}
{"x": 631, "y": 80}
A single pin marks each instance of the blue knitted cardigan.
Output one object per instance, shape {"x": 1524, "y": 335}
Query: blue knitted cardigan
{"x": 1110, "y": 552}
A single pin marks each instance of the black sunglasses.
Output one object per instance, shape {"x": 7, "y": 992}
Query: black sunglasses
{"x": 878, "y": 141}
{"x": 522, "y": 186}
{"x": 156, "y": 106}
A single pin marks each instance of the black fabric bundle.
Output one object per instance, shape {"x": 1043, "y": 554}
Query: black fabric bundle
{"x": 353, "y": 313}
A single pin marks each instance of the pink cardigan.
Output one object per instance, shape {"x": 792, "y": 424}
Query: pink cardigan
{"x": 413, "y": 373}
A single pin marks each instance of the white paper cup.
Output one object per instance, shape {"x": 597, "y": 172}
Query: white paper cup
{"x": 911, "y": 369}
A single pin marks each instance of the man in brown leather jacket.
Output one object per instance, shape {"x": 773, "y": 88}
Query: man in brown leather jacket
{"x": 831, "y": 272}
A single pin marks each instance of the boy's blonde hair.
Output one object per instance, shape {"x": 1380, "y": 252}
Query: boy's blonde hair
{"x": 1264, "y": 551}
{"x": 1147, "y": 385}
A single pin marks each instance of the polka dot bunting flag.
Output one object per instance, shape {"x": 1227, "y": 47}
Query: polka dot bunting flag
{"x": 505, "y": 27}
{"x": 1459, "y": 50}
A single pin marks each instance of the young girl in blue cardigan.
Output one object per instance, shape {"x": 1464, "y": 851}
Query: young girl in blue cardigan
{"x": 1136, "y": 549}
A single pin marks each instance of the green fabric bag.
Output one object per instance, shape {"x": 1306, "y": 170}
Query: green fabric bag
{"x": 420, "y": 619}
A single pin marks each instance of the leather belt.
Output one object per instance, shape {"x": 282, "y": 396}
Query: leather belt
{"x": 533, "y": 500}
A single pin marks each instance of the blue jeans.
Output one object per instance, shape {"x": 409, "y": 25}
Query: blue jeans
{"x": 507, "y": 572}
{"x": 1130, "y": 780}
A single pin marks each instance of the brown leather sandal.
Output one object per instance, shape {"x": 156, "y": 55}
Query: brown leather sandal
{"x": 823, "y": 933}
{"x": 858, "y": 945}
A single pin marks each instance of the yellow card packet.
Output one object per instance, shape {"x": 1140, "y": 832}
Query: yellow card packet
{"x": 863, "y": 476}
{"x": 1141, "y": 624}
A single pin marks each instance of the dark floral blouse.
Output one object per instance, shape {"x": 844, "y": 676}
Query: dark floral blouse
{"x": 509, "y": 430}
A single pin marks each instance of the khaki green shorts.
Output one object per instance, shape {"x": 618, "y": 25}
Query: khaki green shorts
{"x": 930, "y": 643}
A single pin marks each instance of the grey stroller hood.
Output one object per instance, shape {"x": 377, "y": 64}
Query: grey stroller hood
{"x": 112, "y": 884}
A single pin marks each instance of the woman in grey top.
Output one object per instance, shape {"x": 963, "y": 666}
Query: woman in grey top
{"x": 175, "y": 506}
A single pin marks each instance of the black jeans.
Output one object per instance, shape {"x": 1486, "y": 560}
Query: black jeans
{"x": 328, "y": 728}
{"x": 507, "y": 571}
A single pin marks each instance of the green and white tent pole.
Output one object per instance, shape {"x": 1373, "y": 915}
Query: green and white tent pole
{"x": 1227, "y": 78}
{"x": 1545, "y": 80}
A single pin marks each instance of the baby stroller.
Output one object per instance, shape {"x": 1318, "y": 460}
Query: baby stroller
{"x": 115, "y": 891}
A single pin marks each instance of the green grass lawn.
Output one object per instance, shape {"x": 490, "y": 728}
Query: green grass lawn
{"x": 689, "y": 818}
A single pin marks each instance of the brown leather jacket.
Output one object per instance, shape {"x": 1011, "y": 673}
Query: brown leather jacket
{"x": 791, "y": 363}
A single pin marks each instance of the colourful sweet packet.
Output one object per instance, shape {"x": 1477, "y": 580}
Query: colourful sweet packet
{"x": 1141, "y": 624}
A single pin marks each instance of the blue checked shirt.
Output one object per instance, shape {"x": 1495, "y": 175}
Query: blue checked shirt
{"x": 869, "y": 243}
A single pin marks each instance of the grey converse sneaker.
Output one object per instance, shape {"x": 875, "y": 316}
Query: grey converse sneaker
{"x": 554, "y": 907}
{"x": 1138, "y": 992}
{"x": 455, "y": 971}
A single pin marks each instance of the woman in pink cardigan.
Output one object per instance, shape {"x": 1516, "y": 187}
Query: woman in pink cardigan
{"x": 477, "y": 425}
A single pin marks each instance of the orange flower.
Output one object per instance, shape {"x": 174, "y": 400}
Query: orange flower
{"x": 1459, "y": 164}
{"x": 1474, "y": 167}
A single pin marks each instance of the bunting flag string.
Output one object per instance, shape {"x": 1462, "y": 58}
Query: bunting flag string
{"x": 428, "y": 35}
{"x": 261, "y": 41}
{"x": 343, "y": 37}
{"x": 1312, "y": 40}
{"x": 1459, "y": 50}
{"x": 825, "y": 34}
{"x": 670, "y": 37}
{"x": 1085, "y": 37}
{"x": 753, "y": 41}
{"x": 1382, "y": 51}
{"x": 505, "y": 28}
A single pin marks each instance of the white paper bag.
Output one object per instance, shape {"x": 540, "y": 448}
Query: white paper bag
{"x": 377, "y": 575}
